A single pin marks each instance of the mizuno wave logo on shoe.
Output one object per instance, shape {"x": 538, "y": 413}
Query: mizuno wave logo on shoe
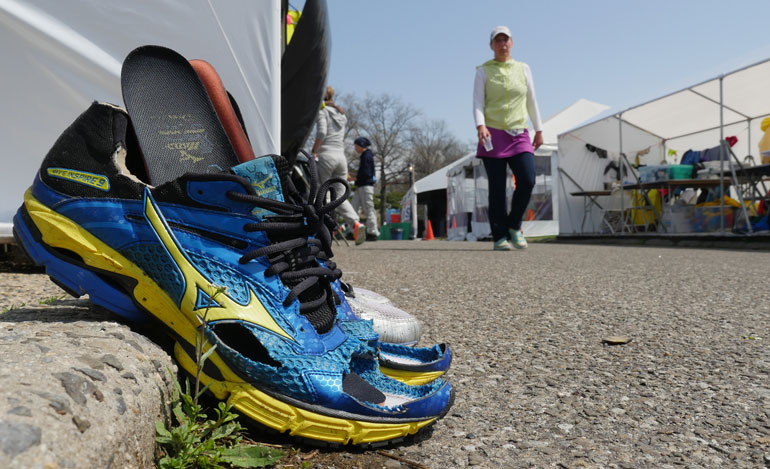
{"x": 261, "y": 184}
{"x": 195, "y": 283}
{"x": 81, "y": 177}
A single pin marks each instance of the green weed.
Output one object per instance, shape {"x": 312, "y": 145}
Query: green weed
{"x": 13, "y": 306}
{"x": 51, "y": 300}
{"x": 196, "y": 441}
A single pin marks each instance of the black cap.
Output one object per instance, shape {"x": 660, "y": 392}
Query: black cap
{"x": 362, "y": 142}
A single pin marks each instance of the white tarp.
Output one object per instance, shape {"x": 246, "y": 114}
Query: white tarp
{"x": 683, "y": 120}
{"x": 60, "y": 56}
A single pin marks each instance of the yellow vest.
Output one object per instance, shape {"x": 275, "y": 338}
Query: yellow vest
{"x": 505, "y": 95}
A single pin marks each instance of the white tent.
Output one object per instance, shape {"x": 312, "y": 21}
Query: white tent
{"x": 60, "y": 56}
{"x": 697, "y": 118}
{"x": 466, "y": 182}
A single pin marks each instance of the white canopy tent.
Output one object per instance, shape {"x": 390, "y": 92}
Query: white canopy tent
{"x": 696, "y": 118}
{"x": 60, "y": 56}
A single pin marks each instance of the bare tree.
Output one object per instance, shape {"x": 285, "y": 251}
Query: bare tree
{"x": 433, "y": 147}
{"x": 388, "y": 122}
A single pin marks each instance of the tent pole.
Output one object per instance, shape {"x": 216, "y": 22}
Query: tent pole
{"x": 748, "y": 139}
{"x": 562, "y": 173}
{"x": 721, "y": 156}
{"x": 413, "y": 204}
{"x": 726, "y": 149}
{"x": 622, "y": 176}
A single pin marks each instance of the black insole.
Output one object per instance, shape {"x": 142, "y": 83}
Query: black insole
{"x": 176, "y": 124}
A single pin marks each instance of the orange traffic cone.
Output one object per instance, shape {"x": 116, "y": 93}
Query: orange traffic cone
{"x": 428, "y": 232}
{"x": 454, "y": 223}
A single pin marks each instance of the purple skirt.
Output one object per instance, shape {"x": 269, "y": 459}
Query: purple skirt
{"x": 505, "y": 144}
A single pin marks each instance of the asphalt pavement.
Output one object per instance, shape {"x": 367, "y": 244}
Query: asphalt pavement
{"x": 539, "y": 383}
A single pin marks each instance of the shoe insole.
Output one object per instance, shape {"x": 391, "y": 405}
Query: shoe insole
{"x": 175, "y": 121}
{"x": 224, "y": 108}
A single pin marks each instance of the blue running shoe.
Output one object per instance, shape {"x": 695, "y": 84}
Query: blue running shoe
{"x": 98, "y": 222}
{"x": 517, "y": 239}
{"x": 412, "y": 365}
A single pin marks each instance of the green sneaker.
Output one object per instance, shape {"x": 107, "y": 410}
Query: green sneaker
{"x": 519, "y": 241}
{"x": 502, "y": 245}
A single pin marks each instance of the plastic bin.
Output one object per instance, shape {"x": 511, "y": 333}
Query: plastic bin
{"x": 397, "y": 234}
{"x": 653, "y": 173}
{"x": 707, "y": 219}
{"x": 680, "y": 171}
{"x": 387, "y": 232}
{"x": 677, "y": 218}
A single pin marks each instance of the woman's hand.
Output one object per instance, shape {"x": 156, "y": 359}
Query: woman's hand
{"x": 483, "y": 134}
{"x": 538, "y": 139}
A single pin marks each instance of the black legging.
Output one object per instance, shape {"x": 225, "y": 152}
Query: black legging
{"x": 523, "y": 167}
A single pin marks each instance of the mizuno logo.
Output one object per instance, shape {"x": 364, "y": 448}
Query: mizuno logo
{"x": 81, "y": 177}
{"x": 198, "y": 289}
{"x": 261, "y": 184}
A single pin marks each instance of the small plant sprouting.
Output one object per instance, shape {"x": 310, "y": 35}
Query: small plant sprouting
{"x": 201, "y": 341}
{"x": 197, "y": 441}
{"x": 13, "y": 306}
{"x": 51, "y": 300}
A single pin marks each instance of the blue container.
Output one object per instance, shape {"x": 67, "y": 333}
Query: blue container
{"x": 397, "y": 234}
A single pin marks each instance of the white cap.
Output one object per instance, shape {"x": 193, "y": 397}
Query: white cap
{"x": 499, "y": 30}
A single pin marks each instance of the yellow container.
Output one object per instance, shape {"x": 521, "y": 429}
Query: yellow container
{"x": 642, "y": 213}
{"x": 764, "y": 143}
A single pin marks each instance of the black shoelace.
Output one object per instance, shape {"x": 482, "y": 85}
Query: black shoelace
{"x": 293, "y": 253}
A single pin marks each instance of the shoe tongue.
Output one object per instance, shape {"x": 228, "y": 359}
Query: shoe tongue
{"x": 268, "y": 175}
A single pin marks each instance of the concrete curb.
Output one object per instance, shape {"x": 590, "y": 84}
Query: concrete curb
{"x": 78, "y": 389}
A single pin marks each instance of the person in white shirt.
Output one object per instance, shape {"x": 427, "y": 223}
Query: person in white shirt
{"x": 329, "y": 151}
{"x": 503, "y": 101}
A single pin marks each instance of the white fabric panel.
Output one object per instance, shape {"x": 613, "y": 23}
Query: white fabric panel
{"x": 438, "y": 179}
{"x": 480, "y": 220}
{"x": 533, "y": 229}
{"x": 571, "y": 116}
{"x": 748, "y": 91}
{"x": 459, "y": 203}
{"x": 587, "y": 169}
{"x": 679, "y": 114}
{"x": 60, "y": 56}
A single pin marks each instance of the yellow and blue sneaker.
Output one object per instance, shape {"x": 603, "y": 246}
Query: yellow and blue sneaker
{"x": 411, "y": 365}
{"x": 394, "y": 327}
{"x": 153, "y": 247}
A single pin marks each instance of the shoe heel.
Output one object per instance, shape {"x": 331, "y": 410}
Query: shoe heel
{"x": 74, "y": 279}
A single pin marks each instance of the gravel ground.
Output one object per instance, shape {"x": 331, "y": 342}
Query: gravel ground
{"x": 536, "y": 385}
